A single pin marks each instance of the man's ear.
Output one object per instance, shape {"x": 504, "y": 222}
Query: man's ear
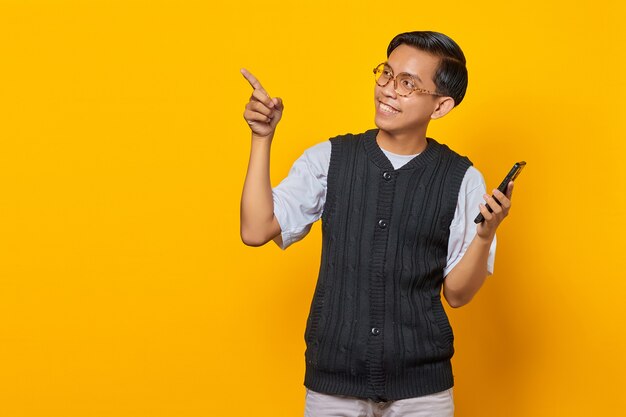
{"x": 444, "y": 105}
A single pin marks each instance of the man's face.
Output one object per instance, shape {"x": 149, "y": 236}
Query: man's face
{"x": 397, "y": 114}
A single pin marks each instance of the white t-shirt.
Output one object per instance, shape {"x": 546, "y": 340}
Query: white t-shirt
{"x": 299, "y": 201}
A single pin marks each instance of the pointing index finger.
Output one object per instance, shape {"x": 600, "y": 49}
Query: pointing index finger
{"x": 253, "y": 81}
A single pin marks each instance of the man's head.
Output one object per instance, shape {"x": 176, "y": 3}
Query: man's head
{"x": 437, "y": 67}
{"x": 450, "y": 77}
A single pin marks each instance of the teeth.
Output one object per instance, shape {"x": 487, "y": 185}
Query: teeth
{"x": 387, "y": 109}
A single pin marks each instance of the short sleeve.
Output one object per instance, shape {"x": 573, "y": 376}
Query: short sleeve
{"x": 463, "y": 228}
{"x": 299, "y": 198}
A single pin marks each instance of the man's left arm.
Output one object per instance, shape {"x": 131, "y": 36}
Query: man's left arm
{"x": 466, "y": 278}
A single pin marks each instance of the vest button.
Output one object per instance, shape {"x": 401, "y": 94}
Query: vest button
{"x": 386, "y": 175}
{"x": 382, "y": 223}
{"x": 375, "y": 331}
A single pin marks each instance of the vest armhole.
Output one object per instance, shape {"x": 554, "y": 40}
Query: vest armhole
{"x": 331, "y": 179}
{"x": 461, "y": 165}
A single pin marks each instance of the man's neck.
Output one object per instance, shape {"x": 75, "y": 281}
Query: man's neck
{"x": 403, "y": 143}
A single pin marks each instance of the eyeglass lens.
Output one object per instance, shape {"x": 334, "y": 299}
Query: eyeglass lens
{"x": 404, "y": 82}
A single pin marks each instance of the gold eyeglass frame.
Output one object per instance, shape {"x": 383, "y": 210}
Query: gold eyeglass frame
{"x": 395, "y": 82}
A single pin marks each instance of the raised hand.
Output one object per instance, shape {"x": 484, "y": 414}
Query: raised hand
{"x": 262, "y": 112}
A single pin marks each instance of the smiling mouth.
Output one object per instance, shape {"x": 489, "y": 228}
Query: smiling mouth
{"x": 387, "y": 108}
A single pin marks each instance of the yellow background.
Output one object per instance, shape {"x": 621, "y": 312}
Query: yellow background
{"x": 125, "y": 289}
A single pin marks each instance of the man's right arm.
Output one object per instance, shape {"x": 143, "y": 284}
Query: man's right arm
{"x": 258, "y": 223}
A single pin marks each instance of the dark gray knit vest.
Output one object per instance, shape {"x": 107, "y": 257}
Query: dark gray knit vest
{"x": 377, "y": 328}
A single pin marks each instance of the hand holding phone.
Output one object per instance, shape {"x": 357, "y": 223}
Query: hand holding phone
{"x": 511, "y": 176}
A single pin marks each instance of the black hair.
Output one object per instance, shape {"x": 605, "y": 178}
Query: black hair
{"x": 451, "y": 73}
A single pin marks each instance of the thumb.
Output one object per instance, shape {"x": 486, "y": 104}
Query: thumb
{"x": 509, "y": 193}
{"x": 278, "y": 102}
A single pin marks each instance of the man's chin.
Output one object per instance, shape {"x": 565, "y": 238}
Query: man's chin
{"x": 385, "y": 126}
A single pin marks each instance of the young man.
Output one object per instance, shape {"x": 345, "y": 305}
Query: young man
{"x": 397, "y": 212}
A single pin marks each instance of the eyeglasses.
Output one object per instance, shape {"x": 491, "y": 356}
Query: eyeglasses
{"x": 403, "y": 83}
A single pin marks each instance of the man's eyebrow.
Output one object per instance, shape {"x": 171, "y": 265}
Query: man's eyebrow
{"x": 413, "y": 75}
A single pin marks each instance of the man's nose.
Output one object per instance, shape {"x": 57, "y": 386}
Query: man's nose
{"x": 389, "y": 90}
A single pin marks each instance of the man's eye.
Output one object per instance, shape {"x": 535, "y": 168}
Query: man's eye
{"x": 408, "y": 83}
{"x": 387, "y": 73}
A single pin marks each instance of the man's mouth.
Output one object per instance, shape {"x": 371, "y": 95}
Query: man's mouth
{"x": 387, "y": 108}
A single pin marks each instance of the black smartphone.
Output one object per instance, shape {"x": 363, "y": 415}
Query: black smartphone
{"x": 511, "y": 176}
